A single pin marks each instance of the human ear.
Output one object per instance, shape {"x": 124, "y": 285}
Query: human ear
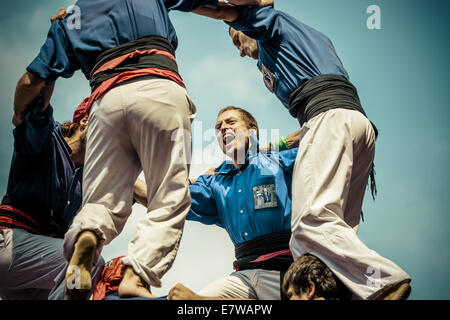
{"x": 83, "y": 123}
{"x": 311, "y": 292}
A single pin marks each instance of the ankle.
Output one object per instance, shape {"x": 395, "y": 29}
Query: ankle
{"x": 87, "y": 239}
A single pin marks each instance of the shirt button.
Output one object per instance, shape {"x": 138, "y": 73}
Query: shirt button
{"x": 242, "y": 211}
{"x": 240, "y": 190}
{"x": 246, "y": 234}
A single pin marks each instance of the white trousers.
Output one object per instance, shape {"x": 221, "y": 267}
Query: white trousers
{"x": 257, "y": 284}
{"x": 331, "y": 171}
{"x": 138, "y": 126}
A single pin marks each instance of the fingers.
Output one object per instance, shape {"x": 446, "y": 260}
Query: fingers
{"x": 17, "y": 120}
{"x": 61, "y": 14}
{"x": 265, "y": 3}
{"x": 211, "y": 172}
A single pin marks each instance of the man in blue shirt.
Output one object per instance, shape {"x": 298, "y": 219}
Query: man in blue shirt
{"x": 300, "y": 66}
{"x": 250, "y": 197}
{"x": 43, "y": 196}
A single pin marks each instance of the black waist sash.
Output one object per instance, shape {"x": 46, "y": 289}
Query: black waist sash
{"x": 38, "y": 219}
{"x": 157, "y": 61}
{"x": 247, "y": 252}
{"x": 323, "y": 93}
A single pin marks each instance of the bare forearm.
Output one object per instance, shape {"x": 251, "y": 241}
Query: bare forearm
{"x": 293, "y": 139}
{"x": 224, "y": 12}
{"x": 28, "y": 89}
{"x": 254, "y": 3}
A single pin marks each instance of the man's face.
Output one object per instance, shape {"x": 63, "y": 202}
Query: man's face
{"x": 246, "y": 46}
{"x": 233, "y": 135}
{"x": 77, "y": 142}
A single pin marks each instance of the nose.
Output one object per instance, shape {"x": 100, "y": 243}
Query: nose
{"x": 243, "y": 52}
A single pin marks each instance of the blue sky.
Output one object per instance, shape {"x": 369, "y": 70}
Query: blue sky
{"x": 401, "y": 72}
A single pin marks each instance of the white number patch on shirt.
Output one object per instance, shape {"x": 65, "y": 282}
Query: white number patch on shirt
{"x": 269, "y": 77}
{"x": 264, "y": 196}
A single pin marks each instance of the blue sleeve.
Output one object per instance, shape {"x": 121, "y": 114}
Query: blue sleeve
{"x": 56, "y": 57}
{"x": 189, "y": 5}
{"x": 203, "y": 204}
{"x": 32, "y": 135}
{"x": 287, "y": 160}
{"x": 261, "y": 24}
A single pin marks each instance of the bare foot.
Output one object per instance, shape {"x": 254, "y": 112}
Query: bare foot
{"x": 133, "y": 286}
{"x": 400, "y": 291}
{"x": 78, "y": 276}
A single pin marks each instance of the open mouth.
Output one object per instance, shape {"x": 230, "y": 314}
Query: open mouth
{"x": 228, "y": 138}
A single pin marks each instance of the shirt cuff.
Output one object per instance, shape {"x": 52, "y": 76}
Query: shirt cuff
{"x": 242, "y": 19}
{"x": 38, "y": 67}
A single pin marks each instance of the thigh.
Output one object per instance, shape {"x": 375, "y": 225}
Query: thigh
{"x": 238, "y": 285}
{"x": 5, "y": 254}
{"x": 111, "y": 163}
{"x": 159, "y": 115}
{"x": 267, "y": 284}
{"x": 36, "y": 261}
{"x": 363, "y": 155}
{"x": 25, "y": 294}
{"x": 323, "y": 168}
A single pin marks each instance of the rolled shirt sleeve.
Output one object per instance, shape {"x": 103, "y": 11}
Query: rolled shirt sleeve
{"x": 56, "y": 57}
{"x": 260, "y": 24}
{"x": 286, "y": 160}
{"x": 203, "y": 204}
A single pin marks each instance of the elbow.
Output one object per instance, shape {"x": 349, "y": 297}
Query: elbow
{"x": 30, "y": 81}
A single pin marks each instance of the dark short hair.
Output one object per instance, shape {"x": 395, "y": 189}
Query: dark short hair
{"x": 65, "y": 126}
{"x": 309, "y": 269}
{"x": 246, "y": 116}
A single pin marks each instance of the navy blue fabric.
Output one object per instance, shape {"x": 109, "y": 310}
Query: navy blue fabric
{"x": 115, "y": 296}
{"x": 228, "y": 198}
{"x": 292, "y": 51}
{"x": 104, "y": 24}
{"x": 42, "y": 172}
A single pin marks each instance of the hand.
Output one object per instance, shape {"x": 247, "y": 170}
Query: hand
{"x": 17, "y": 120}
{"x": 264, "y": 3}
{"x": 265, "y": 148}
{"x": 253, "y": 3}
{"x": 210, "y": 172}
{"x": 180, "y": 292}
{"x": 61, "y": 14}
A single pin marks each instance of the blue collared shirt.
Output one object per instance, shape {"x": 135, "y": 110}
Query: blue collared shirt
{"x": 42, "y": 171}
{"x": 248, "y": 202}
{"x": 75, "y": 42}
{"x": 290, "y": 52}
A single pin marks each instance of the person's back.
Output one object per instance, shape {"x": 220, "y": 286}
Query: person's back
{"x": 95, "y": 26}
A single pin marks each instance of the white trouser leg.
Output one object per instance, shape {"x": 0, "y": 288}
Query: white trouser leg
{"x": 257, "y": 284}
{"x": 330, "y": 176}
{"x": 165, "y": 156}
{"x": 133, "y": 125}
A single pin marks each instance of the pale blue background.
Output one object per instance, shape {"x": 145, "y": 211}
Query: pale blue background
{"x": 401, "y": 73}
